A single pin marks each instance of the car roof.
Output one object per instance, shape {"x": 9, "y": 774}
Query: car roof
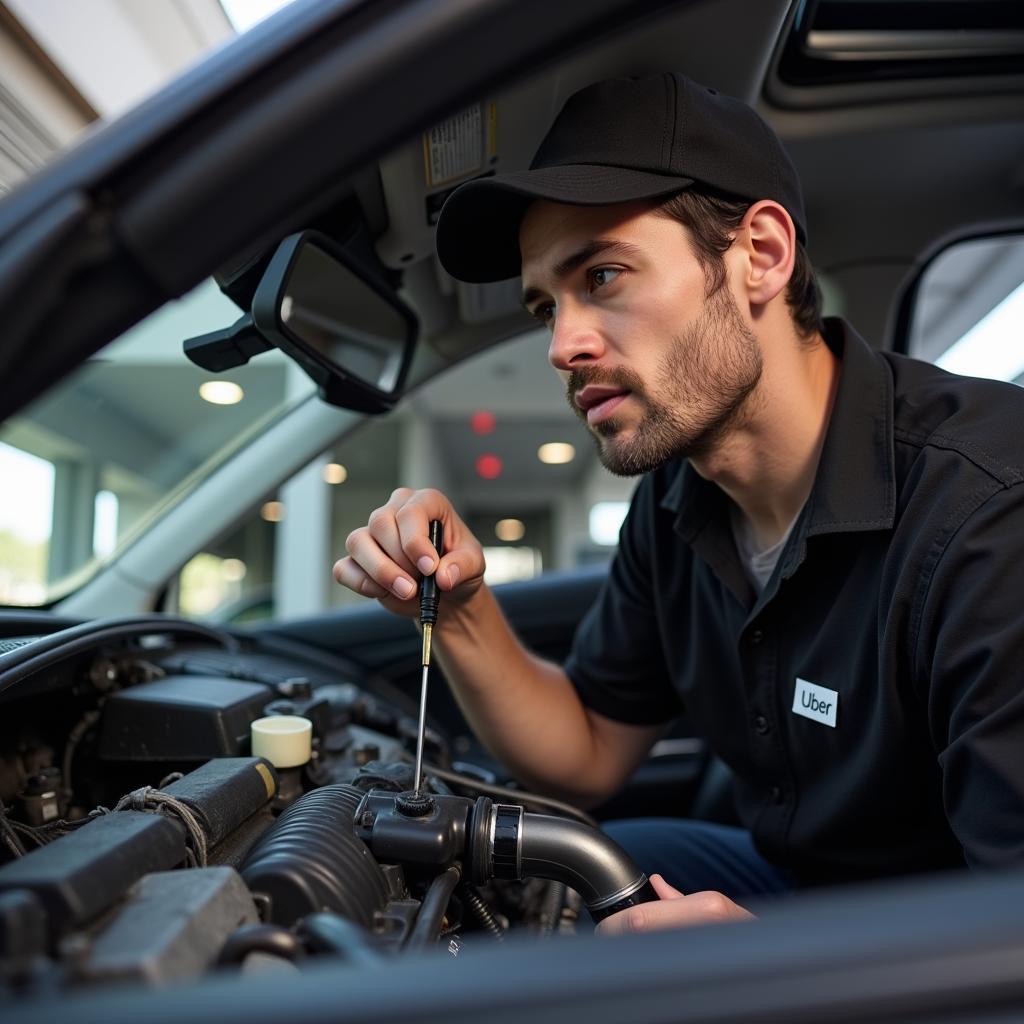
{"x": 245, "y": 147}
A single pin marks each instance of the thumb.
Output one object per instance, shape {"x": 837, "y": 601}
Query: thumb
{"x": 663, "y": 889}
{"x": 459, "y": 566}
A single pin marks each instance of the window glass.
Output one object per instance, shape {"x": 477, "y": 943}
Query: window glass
{"x": 871, "y": 40}
{"x": 25, "y": 526}
{"x": 969, "y": 309}
{"x": 105, "y": 450}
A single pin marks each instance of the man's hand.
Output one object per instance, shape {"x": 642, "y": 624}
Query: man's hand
{"x": 674, "y": 910}
{"x": 387, "y": 557}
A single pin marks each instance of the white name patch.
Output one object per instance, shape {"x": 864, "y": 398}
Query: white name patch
{"x": 818, "y": 703}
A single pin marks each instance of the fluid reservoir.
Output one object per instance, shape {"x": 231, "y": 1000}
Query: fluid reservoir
{"x": 286, "y": 741}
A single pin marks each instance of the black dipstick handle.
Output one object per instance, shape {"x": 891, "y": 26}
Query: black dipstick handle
{"x": 428, "y": 588}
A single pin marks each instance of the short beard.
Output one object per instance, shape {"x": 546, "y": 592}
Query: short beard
{"x": 703, "y": 385}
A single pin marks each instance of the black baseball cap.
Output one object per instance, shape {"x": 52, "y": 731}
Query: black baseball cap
{"x": 613, "y": 142}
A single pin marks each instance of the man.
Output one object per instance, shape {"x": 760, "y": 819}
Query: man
{"x": 818, "y": 563}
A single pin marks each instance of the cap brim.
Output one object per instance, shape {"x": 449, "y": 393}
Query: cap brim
{"x": 478, "y": 230}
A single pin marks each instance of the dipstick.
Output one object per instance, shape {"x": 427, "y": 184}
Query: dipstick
{"x": 429, "y": 598}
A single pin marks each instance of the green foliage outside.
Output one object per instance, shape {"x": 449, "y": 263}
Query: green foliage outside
{"x": 22, "y": 570}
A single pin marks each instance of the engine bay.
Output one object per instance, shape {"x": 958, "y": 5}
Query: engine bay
{"x": 143, "y": 842}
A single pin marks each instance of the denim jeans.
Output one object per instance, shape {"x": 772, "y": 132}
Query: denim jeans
{"x": 698, "y": 855}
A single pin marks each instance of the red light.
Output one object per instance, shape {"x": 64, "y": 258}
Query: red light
{"x": 489, "y": 467}
{"x": 482, "y": 422}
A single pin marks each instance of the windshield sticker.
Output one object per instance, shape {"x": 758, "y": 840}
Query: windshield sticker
{"x": 456, "y": 148}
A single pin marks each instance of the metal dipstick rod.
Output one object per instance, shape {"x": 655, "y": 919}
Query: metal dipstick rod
{"x": 428, "y": 616}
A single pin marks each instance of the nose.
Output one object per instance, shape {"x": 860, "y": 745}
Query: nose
{"x": 575, "y": 339}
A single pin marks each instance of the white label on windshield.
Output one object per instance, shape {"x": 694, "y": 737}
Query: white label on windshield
{"x": 455, "y": 148}
{"x": 818, "y": 703}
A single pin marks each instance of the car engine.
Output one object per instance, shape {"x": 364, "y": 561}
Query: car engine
{"x": 146, "y": 839}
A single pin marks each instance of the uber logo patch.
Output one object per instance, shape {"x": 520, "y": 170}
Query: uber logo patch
{"x": 817, "y": 703}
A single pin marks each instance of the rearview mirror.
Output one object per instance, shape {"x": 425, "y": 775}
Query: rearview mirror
{"x": 347, "y": 330}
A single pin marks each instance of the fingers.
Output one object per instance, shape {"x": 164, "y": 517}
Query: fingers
{"x": 375, "y": 554}
{"x": 389, "y": 555}
{"x": 348, "y": 573}
{"x": 674, "y": 912}
{"x": 630, "y": 921}
{"x": 413, "y": 516}
{"x": 449, "y": 571}
{"x": 663, "y": 889}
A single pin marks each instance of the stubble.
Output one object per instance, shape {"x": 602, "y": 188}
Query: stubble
{"x": 703, "y": 387}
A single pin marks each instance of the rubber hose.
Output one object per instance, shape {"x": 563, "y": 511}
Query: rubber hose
{"x": 427, "y": 928}
{"x": 259, "y": 938}
{"x": 331, "y": 933}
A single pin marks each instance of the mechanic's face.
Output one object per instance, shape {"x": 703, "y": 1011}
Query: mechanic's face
{"x": 656, "y": 368}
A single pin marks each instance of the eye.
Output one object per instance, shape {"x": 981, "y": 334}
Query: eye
{"x": 600, "y": 276}
{"x": 544, "y": 312}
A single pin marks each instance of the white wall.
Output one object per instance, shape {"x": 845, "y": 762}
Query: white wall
{"x": 117, "y": 52}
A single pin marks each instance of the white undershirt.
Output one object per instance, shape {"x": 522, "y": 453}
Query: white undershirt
{"x": 758, "y": 563}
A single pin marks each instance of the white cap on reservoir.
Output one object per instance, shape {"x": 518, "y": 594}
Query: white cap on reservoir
{"x": 284, "y": 740}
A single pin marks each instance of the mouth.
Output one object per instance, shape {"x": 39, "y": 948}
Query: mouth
{"x": 598, "y": 402}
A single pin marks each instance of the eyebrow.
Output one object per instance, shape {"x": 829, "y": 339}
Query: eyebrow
{"x": 585, "y": 253}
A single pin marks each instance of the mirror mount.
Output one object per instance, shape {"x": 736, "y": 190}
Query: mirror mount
{"x": 224, "y": 349}
{"x": 341, "y": 322}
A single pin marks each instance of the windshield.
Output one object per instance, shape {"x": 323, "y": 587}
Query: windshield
{"x": 136, "y": 428}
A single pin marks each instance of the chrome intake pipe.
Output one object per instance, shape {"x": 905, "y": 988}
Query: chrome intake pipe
{"x": 507, "y": 842}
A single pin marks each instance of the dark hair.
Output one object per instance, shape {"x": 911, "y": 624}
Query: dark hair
{"x": 712, "y": 219}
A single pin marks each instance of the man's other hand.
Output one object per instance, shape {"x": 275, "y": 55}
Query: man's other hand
{"x": 674, "y": 910}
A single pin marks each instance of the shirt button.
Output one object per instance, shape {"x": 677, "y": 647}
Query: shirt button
{"x": 757, "y": 636}
{"x": 761, "y": 724}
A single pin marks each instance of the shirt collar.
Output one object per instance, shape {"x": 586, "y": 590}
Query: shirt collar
{"x": 855, "y": 486}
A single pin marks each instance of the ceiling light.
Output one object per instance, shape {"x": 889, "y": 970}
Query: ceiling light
{"x": 233, "y": 569}
{"x": 489, "y": 467}
{"x": 272, "y": 512}
{"x": 556, "y": 453}
{"x": 509, "y": 529}
{"x": 335, "y": 473}
{"x": 221, "y": 392}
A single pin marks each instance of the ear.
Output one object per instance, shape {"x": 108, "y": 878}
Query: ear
{"x": 769, "y": 238}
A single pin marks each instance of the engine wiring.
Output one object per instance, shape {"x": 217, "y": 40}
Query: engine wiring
{"x": 146, "y": 798}
{"x": 84, "y": 724}
{"x": 9, "y": 833}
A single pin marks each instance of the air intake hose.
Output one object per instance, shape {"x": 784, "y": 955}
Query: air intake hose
{"x": 311, "y": 860}
{"x": 507, "y": 842}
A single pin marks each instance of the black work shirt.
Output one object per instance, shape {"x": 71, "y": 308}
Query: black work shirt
{"x": 899, "y": 591}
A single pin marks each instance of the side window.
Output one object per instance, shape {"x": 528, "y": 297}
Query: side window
{"x": 495, "y": 434}
{"x": 969, "y": 309}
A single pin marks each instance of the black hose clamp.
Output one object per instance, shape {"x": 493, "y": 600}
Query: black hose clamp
{"x": 507, "y": 840}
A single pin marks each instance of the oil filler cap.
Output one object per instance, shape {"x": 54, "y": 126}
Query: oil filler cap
{"x": 414, "y": 805}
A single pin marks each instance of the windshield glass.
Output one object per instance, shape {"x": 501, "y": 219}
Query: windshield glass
{"x": 136, "y": 428}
